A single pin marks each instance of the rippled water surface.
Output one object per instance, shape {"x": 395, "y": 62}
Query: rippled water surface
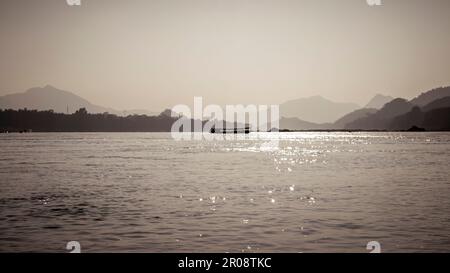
{"x": 145, "y": 192}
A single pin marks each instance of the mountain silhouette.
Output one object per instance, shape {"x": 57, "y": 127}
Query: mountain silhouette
{"x": 433, "y": 120}
{"x": 378, "y": 101}
{"x": 425, "y": 111}
{"x": 413, "y": 118}
{"x": 430, "y": 96}
{"x": 437, "y": 119}
{"x": 353, "y": 116}
{"x": 298, "y": 124}
{"x": 60, "y": 101}
{"x": 381, "y": 119}
{"x": 430, "y": 117}
{"x": 398, "y": 114}
{"x": 439, "y": 103}
{"x": 316, "y": 109}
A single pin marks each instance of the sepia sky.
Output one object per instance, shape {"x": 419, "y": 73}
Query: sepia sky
{"x": 154, "y": 54}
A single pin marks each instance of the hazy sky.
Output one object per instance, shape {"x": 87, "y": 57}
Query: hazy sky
{"x": 154, "y": 54}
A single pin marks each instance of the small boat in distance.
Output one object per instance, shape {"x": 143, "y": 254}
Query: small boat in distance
{"x": 235, "y": 130}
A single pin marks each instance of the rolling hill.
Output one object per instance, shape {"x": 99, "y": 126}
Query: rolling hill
{"x": 60, "y": 101}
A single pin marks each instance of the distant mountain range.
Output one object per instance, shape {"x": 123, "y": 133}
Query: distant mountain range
{"x": 318, "y": 112}
{"x": 426, "y": 111}
{"x": 430, "y": 110}
{"x": 316, "y": 109}
{"x": 60, "y": 101}
{"x": 313, "y": 109}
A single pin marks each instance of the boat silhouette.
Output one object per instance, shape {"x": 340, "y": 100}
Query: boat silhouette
{"x": 235, "y": 130}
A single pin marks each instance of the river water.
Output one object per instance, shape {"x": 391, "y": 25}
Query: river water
{"x": 146, "y": 192}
